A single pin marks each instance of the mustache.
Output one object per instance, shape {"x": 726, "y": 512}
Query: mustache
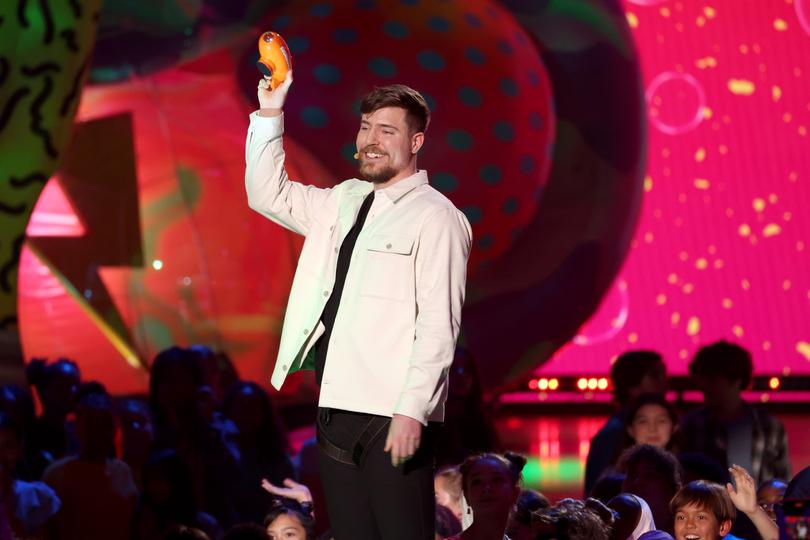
{"x": 373, "y": 150}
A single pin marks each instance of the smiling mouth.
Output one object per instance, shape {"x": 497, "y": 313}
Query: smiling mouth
{"x": 691, "y": 537}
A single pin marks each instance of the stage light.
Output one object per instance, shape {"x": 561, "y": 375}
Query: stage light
{"x": 592, "y": 383}
{"x": 553, "y": 384}
{"x": 533, "y": 384}
{"x": 157, "y": 264}
{"x": 542, "y": 384}
{"x": 774, "y": 383}
{"x": 582, "y": 383}
{"x": 602, "y": 384}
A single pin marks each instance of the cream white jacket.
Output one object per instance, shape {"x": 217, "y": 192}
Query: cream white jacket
{"x": 399, "y": 316}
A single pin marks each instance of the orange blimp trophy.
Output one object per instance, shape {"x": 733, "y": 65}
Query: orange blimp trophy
{"x": 275, "y": 59}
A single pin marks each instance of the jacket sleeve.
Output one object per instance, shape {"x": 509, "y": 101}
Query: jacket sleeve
{"x": 269, "y": 190}
{"x": 441, "y": 276}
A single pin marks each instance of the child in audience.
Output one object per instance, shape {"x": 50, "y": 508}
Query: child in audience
{"x": 706, "y": 511}
{"x": 650, "y": 419}
{"x": 288, "y": 521}
{"x": 491, "y": 484}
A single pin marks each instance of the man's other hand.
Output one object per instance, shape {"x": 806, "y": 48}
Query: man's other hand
{"x": 404, "y": 436}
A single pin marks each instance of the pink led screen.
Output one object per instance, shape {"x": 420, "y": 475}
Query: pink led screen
{"x": 720, "y": 248}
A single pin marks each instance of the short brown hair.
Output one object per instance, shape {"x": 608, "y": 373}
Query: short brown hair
{"x": 706, "y": 495}
{"x": 404, "y": 97}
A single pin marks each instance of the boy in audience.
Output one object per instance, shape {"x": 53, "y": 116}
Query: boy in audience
{"x": 702, "y": 511}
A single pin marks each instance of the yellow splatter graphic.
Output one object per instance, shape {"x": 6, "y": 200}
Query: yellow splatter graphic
{"x": 803, "y": 348}
{"x": 693, "y": 326}
{"x": 632, "y": 20}
{"x": 675, "y": 318}
{"x": 707, "y": 62}
{"x": 701, "y": 264}
{"x": 688, "y": 288}
{"x": 648, "y": 183}
{"x": 727, "y": 303}
{"x": 702, "y": 183}
{"x": 710, "y": 12}
{"x": 758, "y": 204}
{"x": 700, "y": 155}
{"x": 661, "y": 299}
{"x": 776, "y": 94}
{"x": 738, "y": 330}
{"x": 771, "y": 229}
{"x": 780, "y": 25}
{"x": 741, "y": 87}
{"x": 744, "y": 230}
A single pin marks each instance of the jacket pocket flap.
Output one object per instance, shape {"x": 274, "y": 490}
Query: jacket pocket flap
{"x": 390, "y": 244}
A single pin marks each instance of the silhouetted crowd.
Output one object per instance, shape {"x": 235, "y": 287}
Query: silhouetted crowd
{"x": 206, "y": 456}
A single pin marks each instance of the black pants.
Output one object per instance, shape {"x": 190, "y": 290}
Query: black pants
{"x": 374, "y": 500}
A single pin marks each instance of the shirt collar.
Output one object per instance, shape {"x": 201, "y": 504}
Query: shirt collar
{"x": 405, "y": 186}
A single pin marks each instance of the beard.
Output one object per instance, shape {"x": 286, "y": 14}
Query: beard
{"x": 381, "y": 175}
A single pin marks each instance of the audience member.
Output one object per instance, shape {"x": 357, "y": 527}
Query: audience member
{"x": 288, "y": 521}
{"x": 569, "y": 520}
{"x": 57, "y": 386}
{"x": 651, "y": 419}
{"x": 18, "y": 403}
{"x": 519, "y": 526}
{"x": 633, "y": 517}
{"x": 262, "y": 444}
{"x": 97, "y": 491}
{"x": 654, "y": 475}
{"x": 168, "y": 499}
{"x": 447, "y": 524}
{"x": 460, "y": 438}
{"x": 174, "y": 387}
{"x": 608, "y": 487}
{"x": 137, "y": 436}
{"x": 769, "y": 494}
{"x": 26, "y": 507}
{"x": 448, "y": 489}
{"x": 799, "y": 486}
{"x": 491, "y": 485}
{"x": 726, "y": 428}
{"x": 702, "y": 510}
{"x": 634, "y": 373}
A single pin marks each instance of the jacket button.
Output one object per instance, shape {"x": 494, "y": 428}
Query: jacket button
{"x": 306, "y": 331}
{"x": 387, "y": 246}
{"x": 336, "y": 249}
{"x": 326, "y": 293}
{"x": 284, "y": 367}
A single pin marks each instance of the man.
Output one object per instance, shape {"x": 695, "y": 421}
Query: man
{"x": 375, "y": 309}
{"x": 633, "y": 373}
{"x": 727, "y": 429}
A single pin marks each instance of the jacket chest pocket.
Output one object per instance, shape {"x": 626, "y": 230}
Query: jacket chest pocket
{"x": 388, "y": 272}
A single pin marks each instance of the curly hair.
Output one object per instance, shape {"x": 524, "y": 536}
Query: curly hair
{"x": 570, "y": 519}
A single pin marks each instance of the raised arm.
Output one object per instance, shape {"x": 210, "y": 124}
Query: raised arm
{"x": 744, "y": 497}
{"x": 269, "y": 191}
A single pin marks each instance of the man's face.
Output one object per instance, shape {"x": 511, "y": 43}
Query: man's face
{"x": 386, "y": 146}
{"x": 697, "y": 523}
